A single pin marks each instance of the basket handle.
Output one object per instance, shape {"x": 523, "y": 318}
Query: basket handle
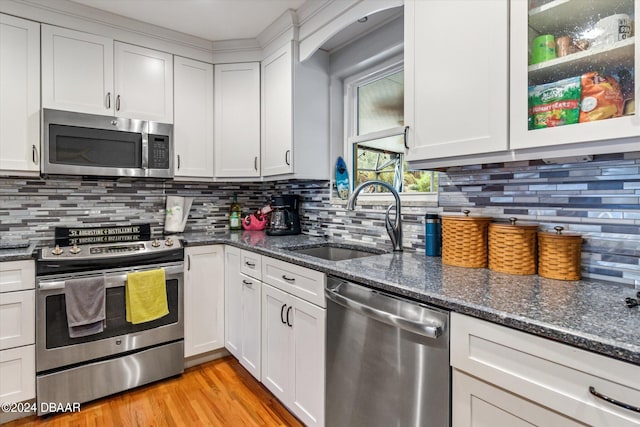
{"x": 558, "y": 229}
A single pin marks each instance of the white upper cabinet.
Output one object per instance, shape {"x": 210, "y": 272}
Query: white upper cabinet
{"x": 277, "y": 112}
{"x": 19, "y": 95}
{"x": 77, "y": 71}
{"x": 193, "y": 125}
{"x": 554, "y": 99}
{"x": 295, "y": 114}
{"x": 237, "y": 120}
{"x": 144, "y": 83}
{"x": 93, "y": 74}
{"x": 456, "y": 77}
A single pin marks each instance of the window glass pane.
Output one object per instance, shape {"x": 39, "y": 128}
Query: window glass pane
{"x": 381, "y": 104}
{"x": 390, "y": 167}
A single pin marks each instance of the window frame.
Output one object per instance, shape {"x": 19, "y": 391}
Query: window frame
{"x": 351, "y": 137}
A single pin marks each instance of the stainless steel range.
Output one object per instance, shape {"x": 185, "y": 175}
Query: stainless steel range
{"x": 120, "y": 354}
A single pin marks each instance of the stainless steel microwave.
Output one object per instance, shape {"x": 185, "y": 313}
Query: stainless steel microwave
{"x": 93, "y": 145}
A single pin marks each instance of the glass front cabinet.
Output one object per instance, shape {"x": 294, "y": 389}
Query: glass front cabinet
{"x": 573, "y": 70}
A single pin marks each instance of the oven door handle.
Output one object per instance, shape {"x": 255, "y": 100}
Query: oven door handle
{"x": 113, "y": 280}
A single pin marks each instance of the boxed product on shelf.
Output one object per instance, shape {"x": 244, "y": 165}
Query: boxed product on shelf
{"x": 554, "y": 104}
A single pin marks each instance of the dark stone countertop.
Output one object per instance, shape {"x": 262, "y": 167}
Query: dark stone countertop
{"x": 587, "y": 314}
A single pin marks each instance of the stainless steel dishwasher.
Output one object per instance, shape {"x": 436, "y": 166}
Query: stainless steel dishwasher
{"x": 387, "y": 359}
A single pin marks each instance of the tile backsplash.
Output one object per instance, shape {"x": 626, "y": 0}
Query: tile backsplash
{"x": 598, "y": 199}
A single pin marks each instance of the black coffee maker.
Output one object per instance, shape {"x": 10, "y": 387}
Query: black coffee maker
{"x": 284, "y": 219}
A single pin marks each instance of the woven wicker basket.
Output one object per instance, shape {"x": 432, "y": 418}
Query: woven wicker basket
{"x": 559, "y": 255}
{"x": 513, "y": 248}
{"x": 464, "y": 240}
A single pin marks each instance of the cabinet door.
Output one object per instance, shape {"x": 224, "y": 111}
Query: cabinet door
{"x": 456, "y": 77}
{"x": 553, "y": 99}
{"x": 17, "y": 319}
{"x": 277, "y": 112}
{"x": 193, "y": 126}
{"x": 77, "y": 71}
{"x": 479, "y": 404}
{"x": 203, "y": 300}
{"x": 308, "y": 354}
{"x": 232, "y": 301}
{"x": 19, "y": 95}
{"x": 276, "y": 342}
{"x": 18, "y": 373}
{"x": 17, "y": 275}
{"x": 143, "y": 83}
{"x": 237, "y": 120}
{"x": 251, "y": 325}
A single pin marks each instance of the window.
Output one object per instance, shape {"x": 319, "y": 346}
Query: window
{"x": 374, "y": 118}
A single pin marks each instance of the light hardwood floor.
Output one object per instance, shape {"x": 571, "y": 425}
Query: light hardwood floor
{"x": 218, "y": 393}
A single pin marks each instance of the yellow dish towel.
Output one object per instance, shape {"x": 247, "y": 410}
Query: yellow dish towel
{"x": 146, "y": 296}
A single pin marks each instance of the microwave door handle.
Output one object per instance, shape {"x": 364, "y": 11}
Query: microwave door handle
{"x": 145, "y": 148}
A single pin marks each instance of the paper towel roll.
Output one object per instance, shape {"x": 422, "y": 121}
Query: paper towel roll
{"x": 177, "y": 213}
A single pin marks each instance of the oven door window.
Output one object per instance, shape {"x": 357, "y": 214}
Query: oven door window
{"x": 70, "y": 145}
{"x": 57, "y": 331}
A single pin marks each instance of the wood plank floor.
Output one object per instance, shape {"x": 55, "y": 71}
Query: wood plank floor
{"x": 217, "y": 393}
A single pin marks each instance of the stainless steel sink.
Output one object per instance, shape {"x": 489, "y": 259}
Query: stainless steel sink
{"x": 335, "y": 252}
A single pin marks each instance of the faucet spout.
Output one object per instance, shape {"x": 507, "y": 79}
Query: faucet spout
{"x": 393, "y": 229}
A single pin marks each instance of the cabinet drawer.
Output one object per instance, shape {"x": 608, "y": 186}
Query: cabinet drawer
{"x": 18, "y": 373}
{"x": 17, "y": 319}
{"x": 251, "y": 264}
{"x": 299, "y": 281}
{"x": 551, "y": 374}
{"x": 17, "y": 275}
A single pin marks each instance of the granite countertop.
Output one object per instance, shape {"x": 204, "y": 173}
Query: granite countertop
{"x": 586, "y": 314}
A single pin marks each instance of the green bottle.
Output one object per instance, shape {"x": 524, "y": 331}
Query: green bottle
{"x": 235, "y": 214}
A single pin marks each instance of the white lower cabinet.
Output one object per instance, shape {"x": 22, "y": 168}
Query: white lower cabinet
{"x": 242, "y": 313}
{"x": 203, "y": 299}
{"x": 293, "y": 353}
{"x": 17, "y": 332}
{"x": 503, "y": 377}
{"x": 275, "y": 325}
{"x": 480, "y": 404}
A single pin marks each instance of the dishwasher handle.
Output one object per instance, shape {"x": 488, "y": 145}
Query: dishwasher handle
{"x": 429, "y": 331}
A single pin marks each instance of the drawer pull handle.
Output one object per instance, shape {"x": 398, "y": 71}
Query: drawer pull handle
{"x": 288, "y": 279}
{"x": 593, "y": 391}
{"x": 282, "y": 314}
{"x": 249, "y": 264}
{"x": 246, "y": 282}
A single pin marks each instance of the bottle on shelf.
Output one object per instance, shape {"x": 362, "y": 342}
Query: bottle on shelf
{"x": 235, "y": 214}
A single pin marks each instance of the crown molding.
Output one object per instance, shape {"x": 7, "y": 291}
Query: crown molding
{"x": 80, "y": 17}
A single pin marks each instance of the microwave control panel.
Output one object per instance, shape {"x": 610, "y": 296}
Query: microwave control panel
{"x": 159, "y": 152}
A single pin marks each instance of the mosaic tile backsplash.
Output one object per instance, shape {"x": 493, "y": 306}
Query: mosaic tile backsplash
{"x": 599, "y": 199}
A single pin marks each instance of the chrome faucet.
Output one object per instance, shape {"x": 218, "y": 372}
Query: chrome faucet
{"x": 394, "y": 230}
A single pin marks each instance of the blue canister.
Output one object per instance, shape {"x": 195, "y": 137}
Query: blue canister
{"x": 432, "y": 235}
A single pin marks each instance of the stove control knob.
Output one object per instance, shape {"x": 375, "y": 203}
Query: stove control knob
{"x": 168, "y": 242}
{"x": 75, "y": 249}
{"x": 57, "y": 250}
{"x": 155, "y": 243}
